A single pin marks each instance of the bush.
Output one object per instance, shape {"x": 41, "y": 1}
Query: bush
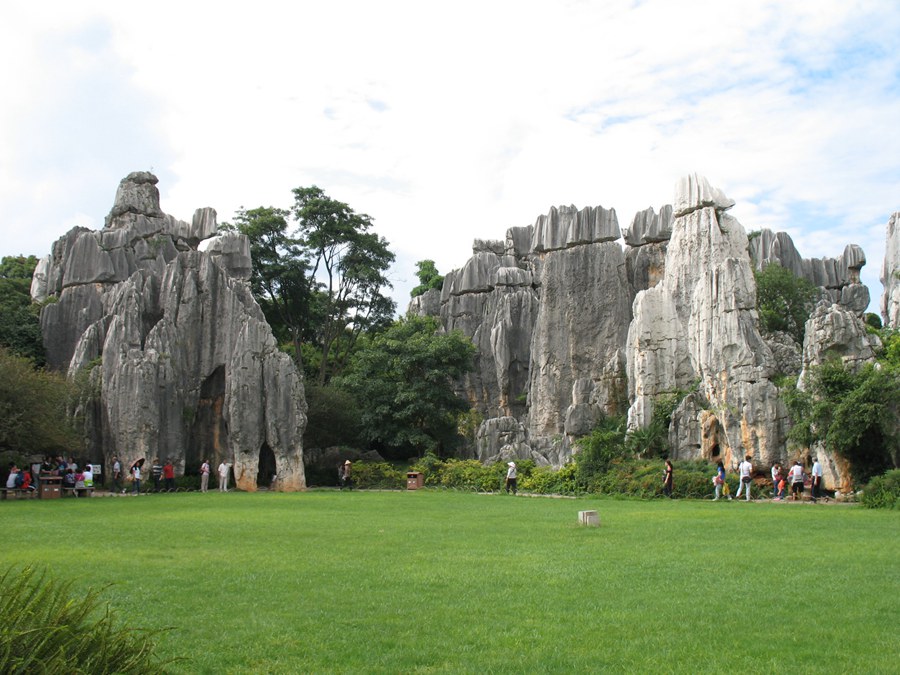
{"x": 883, "y": 492}
{"x": 49, "y": 628}
{"x": 378, "y": 475}
{"x": 643, "y": 479}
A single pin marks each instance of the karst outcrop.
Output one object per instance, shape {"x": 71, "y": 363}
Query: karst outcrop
{"x": 574, "y": 319}
{"x": 890, "y": 274}
{"x": 156, "y": 315}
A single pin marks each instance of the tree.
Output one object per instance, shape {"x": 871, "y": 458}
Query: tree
{"x": 280, "y": 276}
{"x": 784, "y": 301}
{"x": 429, "y": 278}
{"x": 20, "y": 328}
{"x": 33, "y": 408}
{"x": 403, "y": 376}
{"x": 320, "y": 280}
{"x": 349, "y": 264}
{"x": 854, "y": 413}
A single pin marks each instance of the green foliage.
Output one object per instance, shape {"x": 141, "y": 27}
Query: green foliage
{"x": 854, "y": 413}
{"x": 882, "y": 492}
{"x": 349, "y": 264}
{"x": 318, "y": 279}
{"x": 597, "y": 451}
{"x": 33, "y": 409}
{"x": 20, "y": 328}
{"x": 404, "y": 375}
{"x": 548, "y": 481}
{"x": 644, "y": 479}
{"x": 784, "y": 301}
{"x": 470, "y": 474}
{"x": 653, "y": 440}
{"x": 54, "y": 627}
{"x": 873, "y": 321}
{"x": 429, "y": 278}
{"x": 332, "y": 418}
{"x": 378, "y": 475}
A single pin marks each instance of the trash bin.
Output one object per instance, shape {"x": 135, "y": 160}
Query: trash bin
{"x": 51, "y": 487}
{"x": 414, "y": 480}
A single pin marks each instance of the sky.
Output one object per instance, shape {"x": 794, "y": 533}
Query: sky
{"x": 447, "y": 122}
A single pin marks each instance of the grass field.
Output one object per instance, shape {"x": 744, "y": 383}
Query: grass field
{"x": 429, "y": 581}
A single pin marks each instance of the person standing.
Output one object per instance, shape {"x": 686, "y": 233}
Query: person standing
{"x": 745, "y": 469}
{"x": 346, "y": 475}
{"x": 719, "y": 480}
{"x": 795, "y": 475}
{"x": 224, "y": 469}
{"x": 776, "y": 478}
{"x": 816, "y": 486}
{"x": 156, "y": 472}
{"x": 511, "y": 478}
{"x": 136, "y": 469}
{"x": 204, "y": 476}
{"x": 668, "y": 479}
{"x": 117, "y": 475}
{"x": 169, "y": 475}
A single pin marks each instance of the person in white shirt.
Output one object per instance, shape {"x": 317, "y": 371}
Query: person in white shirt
{"x": 795, "y": 476}
{"x": 224, "y": 469}
{"x": 745, "y": 469}
{"x": 816, "y": 487}
{"x": 511, "y": 478}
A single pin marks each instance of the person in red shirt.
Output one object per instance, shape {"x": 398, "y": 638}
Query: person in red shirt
{"x": 169, "y": 475}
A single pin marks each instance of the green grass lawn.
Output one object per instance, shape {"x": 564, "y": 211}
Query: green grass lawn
{"x": 430, "y": 581}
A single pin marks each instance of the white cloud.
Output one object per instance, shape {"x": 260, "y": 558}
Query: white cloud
{"x": 451, "y": 122}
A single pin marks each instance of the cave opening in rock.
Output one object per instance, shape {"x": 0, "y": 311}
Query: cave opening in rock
{"x": 265, "y": 474}
{"x": 715, "y": 452}
{"x": 209, "y": 433}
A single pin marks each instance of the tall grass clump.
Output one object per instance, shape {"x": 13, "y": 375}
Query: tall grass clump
{"x": 53, "y": 627}
{"x": 882, "y": 492}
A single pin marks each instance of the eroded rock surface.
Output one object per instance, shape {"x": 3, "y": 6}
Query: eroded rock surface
{"x": 184, "y": 363}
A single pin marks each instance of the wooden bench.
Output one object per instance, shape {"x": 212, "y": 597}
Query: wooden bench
{"x": 85, "y": 491}
{"x": 17, "y": 493}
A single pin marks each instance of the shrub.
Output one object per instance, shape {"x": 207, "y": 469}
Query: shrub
{"x": 378, "y": 475}
{"x": 882, "y": 492}
{"x": 49, "y": 628}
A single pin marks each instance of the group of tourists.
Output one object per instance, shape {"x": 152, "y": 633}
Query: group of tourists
{"x": 73, "y": 477}
{"x": 796, "y": 478}
{"x": 163, "y": 475}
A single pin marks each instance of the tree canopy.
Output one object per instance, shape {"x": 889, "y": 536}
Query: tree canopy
{"x": 784, "y": 301}
{"x": 429, "y": 278}
{"x": 403, "y": 379}
{"x": 33, "y": 408}
{"x": 853, "y": 412}
{"x": 319, "y": 274}
{"x": 20, "y": 328}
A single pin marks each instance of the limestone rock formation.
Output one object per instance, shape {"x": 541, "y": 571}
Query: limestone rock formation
{"x": 184, "y": 361}
{"x": 890, "y": 274}
{"x": 697, "y": 330}
{"x": 571, "y": 325}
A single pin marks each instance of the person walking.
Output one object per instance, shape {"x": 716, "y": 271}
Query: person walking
{"x": 745, "y": 469}
{"x": 719, "y": 480}
{"x": 816, "y": 485}
{"x": 668, "y": 479}
{"x": 512, "y": 479}
{"x": 204, "y": 476}
{"x": 347, "y": 475}
{"x": 224, "y": 469}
